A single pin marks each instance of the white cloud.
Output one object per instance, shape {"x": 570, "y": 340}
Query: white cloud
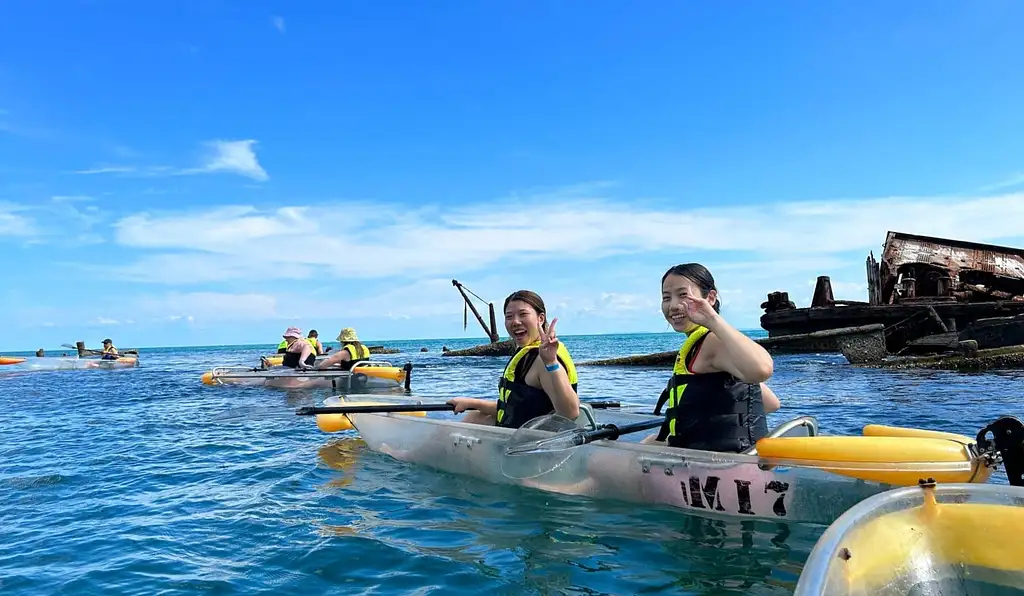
{"x": 105, "y": 321}
{"x": 71, "y": 199}
{"x": 1010, "y": 182}
{"x": 278, "y": 23}
{"x": 356, "y": 241}
{"x": 105, "y": 170}
{"x": 236, "y": 157}
{"x": 13, "y": 224}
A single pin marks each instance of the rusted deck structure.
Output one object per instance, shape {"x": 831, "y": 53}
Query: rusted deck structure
{"x": 923, "y": 288}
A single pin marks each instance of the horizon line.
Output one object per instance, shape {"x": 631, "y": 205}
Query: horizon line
{"x": 367, "y": 342}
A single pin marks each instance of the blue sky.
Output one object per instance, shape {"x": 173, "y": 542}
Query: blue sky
{"x": 182, "y": 173}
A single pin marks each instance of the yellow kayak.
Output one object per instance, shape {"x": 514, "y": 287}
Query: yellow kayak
{"x": 927, "y": 539}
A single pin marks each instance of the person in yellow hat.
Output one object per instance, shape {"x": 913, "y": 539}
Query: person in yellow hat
{"x": 352, "y": 351}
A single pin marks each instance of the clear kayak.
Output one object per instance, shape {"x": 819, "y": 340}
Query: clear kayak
{"x": 74, "y": 363}
{"x": 928, "y": 540}
{"x": 367, "y": 375}
{"x": 278, "y": 359}
{"x": 808, "y": 478}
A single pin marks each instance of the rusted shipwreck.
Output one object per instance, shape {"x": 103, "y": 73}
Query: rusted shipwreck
{"x": 932, "y": 303}
{"x": 926, "y": 297}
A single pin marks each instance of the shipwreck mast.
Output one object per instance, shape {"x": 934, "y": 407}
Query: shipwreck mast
{"x": 491, "y": 332}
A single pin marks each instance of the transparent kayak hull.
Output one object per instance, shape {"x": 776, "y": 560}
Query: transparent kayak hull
{"x": 931, "y": 540}
{"x": 70, "y": 363}
{"x": 363, "y": 377}
{"x": 716, "y": 484}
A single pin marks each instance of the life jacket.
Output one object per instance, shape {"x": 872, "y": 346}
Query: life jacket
{"x": 109, "y": 353}
{"x": 358, "y": 354}
{"x": 291, "y": 359}
{"x": 355, "y": 355}
{"x": 312, "y": 344}
{"x": 709, "y": 411}
{"x": 282, "y": 347}
{"x": 518, "y": 402}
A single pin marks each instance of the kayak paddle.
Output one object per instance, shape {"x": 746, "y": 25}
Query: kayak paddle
{"x": 574, "y": 437}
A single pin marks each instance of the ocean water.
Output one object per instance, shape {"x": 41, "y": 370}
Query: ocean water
{"x": 145, "y": 481}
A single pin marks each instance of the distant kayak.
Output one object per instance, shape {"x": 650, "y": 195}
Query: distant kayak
{"x": 926, "y": 540}
{"x": 366, "y": 375}
{"x": 70, "y": 363}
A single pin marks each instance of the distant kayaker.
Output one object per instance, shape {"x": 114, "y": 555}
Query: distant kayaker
{"x": 40, "y": 353}
{"x": 531, "y": 386}
{"x": 298, "y": 353}
{"x": 352, "y": 351}
{"x": 314, "y": 341}
{"x": 716, "y": 397}
{"x": 109, "y": 351}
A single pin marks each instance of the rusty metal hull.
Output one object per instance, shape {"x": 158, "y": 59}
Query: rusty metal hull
{"x": 808, "y": 320}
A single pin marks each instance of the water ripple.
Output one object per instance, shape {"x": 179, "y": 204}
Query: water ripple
{"x": 134, "y": 482}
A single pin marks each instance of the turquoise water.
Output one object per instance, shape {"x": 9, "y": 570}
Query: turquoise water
{"x": 133, "y": 482}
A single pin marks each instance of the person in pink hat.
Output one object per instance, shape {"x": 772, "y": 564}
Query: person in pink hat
{"x": 299, "y": 354}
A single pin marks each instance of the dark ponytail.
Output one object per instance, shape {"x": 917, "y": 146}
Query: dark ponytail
{"x": 700, "y": 276}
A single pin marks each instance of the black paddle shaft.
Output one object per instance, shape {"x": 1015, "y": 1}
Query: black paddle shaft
{"x": 378, "y": 409}
{"x": 611, "y": 431}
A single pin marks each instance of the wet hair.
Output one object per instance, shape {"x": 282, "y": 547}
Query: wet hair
{"x": 699, "y": 275}
{"x": 531, "y": 298}
{"x": 312, "y": 333}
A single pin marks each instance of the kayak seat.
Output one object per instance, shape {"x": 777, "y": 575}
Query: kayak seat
{"x": 801, "y": 426}
{"x": 586, "y": 419}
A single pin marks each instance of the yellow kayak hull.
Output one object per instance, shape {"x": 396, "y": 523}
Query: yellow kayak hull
{"x": 939, "y": 539}
{"x": 907, "y": 455}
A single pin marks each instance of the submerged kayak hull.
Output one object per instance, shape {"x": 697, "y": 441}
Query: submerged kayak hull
{"x": 717, "y": 484}
{"x": 69, "y": 363}
{"x": 278, "y": 359}
{"x": 378, "y": 375}
{"x": 932, "y": 539}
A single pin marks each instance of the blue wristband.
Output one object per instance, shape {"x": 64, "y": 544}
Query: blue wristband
{"x": 551, "y": 367}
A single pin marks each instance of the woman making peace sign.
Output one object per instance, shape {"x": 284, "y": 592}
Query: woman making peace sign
{"x": 717, "y": 399}
{"x": 539, "y": 379}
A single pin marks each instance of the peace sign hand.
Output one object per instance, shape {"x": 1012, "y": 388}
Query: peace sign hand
{"x": 699, "y": 310}
{"x": 548, "y": 343}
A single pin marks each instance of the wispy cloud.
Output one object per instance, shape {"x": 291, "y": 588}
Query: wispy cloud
{"x": 219, "y": 156}
{"x": 64, "y": 219}
{"x": 235, "y": 157}
{"x": 1010, "y": 182}
{"x": 13, "y": 223}
{"x": 431, "y": 241}
{"x": 278, "y": 23}
{"x": 106, "y": 170}
{"x": 71, "y": 199}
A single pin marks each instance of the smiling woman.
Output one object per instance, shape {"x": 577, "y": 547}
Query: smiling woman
{"x": 720, "y": 370}
{"x": 530, "y": 386}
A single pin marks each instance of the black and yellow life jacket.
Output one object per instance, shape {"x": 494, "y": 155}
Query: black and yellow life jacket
{"x": 282, "y": 347}
{"x": 357, "y": 354}
{"x": 291, "y": 359}
{"x": 519, "y": 402}
{"x": 709, "y": 411}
